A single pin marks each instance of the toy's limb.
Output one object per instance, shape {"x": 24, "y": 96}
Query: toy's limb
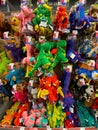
{"x": 91, "y": 19}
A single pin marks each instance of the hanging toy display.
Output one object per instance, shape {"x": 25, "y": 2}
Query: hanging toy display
{"x": 49, "y": 66}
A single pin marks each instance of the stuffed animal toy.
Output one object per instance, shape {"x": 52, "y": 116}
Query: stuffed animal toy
{"x": 50, "y": 88}
{"x": 90, "y": 74}
{"x": 60, "y": 55}
{"x": 25, "y": 16}
{"x": 14, "y": 76}
{"x": 5, "y": 25}
{"x": 15, "y": 25}
{"x": 61, "y": 20}
{"x": 29, "y": 60}
{"x": 82, "y": 22}
{"x": 5, "y": 89}
{"x": 44, "y": 58}
{"x": 68, "y": 97}
{"x": 15, "y": 48}
{"x": 18, "y": 115}
{"x": 72, "y": 55}
{"x": 55, "y": 115}
{"x": 20, "y": 94}
{"x": 89, "y": 96}
{"x": 29, "y": 120}
{"x": 8, "y": 118}
{"x": 33, "y": 88}
{"x": 4, "y": 62}
{"x": 42, "y": 21}
{"x": 87, "y": 120}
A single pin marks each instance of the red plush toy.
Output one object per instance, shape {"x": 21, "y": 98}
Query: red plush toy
{"x": 18, "y": 115}
{"x": 61, "y": 20}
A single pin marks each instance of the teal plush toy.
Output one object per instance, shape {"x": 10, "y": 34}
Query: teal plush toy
{"x": 4, "y": 61}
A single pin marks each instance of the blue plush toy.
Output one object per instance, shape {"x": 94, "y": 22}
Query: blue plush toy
{"x": 72, "y": 55}
{"x": 68, "y": 97}
{"x": 91, "y": 74}
{"x": 78, "y": 20}
{"x": 15, "y": 75}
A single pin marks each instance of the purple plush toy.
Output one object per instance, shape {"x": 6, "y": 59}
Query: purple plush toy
{"x": 72, "y": 55}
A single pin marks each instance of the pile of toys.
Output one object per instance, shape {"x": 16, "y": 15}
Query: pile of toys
{"x": 49, "y": 66}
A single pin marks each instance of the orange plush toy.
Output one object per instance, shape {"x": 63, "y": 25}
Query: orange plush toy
{"x": 61, "y": 20}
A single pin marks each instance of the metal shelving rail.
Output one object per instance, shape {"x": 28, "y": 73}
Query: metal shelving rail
{"x": 6, "y": 127}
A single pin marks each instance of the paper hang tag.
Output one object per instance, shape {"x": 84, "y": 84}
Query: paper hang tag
{"x": 31, "y": 83}
{"x": 91, "y": 63}
{"x": 28, "y": 40}
{"x": 30, "y": 27}
{"x": 43, "y": 23}
{"x": 10, "y": 66}
{"x": 81, "y": 82}
{"x": 63, "y": 2}
{"x": 5, "y": 35}
{"x": 74, "y": 32}
{"x": 72, "y": 55}
{"x": 41, "y": 1}
{"x": 68, "y": 68}
{"x": 82, "y": 1}
{"x": 96, "y": 34}
{"x": 56, "y": 35}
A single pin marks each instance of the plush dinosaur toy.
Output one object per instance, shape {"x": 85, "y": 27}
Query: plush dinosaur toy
{"x": 4, "y": 62}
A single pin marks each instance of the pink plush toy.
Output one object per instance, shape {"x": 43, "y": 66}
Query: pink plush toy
{"x": 30, "y": 53}
{"x": 25, "y": 16}
{"x": 29, "y": 120}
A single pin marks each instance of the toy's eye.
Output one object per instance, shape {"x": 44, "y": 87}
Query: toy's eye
{"x": 14, "y": 20}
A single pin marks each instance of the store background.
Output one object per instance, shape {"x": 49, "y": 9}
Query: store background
{"x": 14, "y": 5}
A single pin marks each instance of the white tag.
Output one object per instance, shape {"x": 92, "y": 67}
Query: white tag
{"x": 22, "y": 128}
{"x": 30, "y": 27}
{"x": 63, "y": 2}
{"x": 56, "y": 35}
{"x": 83, "y": 1}
{"x": 74, "y": 32}
{"x": 28, "y": 39}
{"x": 5, "y": 35}
{"x": 31, "y": 83}
{"x": 43, "y": 23}
{"x": 41, "y": 1}
{"x": 96, "y": 34}
{"x": 82, "y": 128}
{"x": 81, "y": 82}
{"x": 64, "y": 129}
{"x": 10, "y": 66}
{"x": 72, "y": 55}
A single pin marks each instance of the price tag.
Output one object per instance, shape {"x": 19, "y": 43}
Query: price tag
{"x": 30, "y": 27}
{"x": 72, "y": 55}
{"x": 82, "y": 1}
{"x": 5, "y": 35}
{"x": 28, "y": 40}
{"x": 41, "y": 1}
{"x": 96, "y": 34}
{"x": 43, "y": 23}
{"x": 56, "y": 35}
{"x": 63, "y": 2}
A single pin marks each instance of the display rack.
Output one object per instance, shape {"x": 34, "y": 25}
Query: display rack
{"x": 6, "y": 127}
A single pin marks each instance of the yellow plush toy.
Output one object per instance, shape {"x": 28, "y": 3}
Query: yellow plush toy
{"x": 15, "y": 24}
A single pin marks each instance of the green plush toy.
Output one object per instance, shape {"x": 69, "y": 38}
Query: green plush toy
{"x": 44, "y": 58}
{"x": 60, "y": 56}
{"x": 4, "y": 61}
{"x": 42, "y": 21}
